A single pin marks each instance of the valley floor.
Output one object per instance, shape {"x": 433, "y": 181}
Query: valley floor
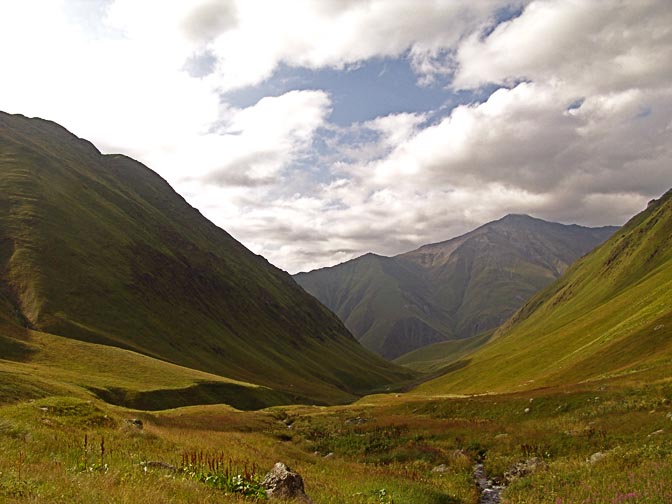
{"x": 598, "y": 443}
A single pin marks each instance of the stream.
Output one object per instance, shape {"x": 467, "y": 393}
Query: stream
{"x": 490, "y": 492}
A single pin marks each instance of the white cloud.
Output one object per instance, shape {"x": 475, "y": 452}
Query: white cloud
{"x": 345, "y": 219}
{"x": 335, "y": 33}
{"x": 588, "y": 46}
{"x": 129, "y": 92}
{"x": 252, "y": 146}
{"x": 396, "y": 128}
{"x": 524, "y": 150}
{"x": 251, "y": 38}
{"x": 122, "y": 93}
{"x": 508, "y": 139}
{"x": 579, "y": 131}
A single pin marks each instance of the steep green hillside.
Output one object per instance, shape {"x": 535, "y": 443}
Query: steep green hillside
{"x": 449, "y": 290}
{"x": 99, "y": 248}
{"x": 609, "y": 315}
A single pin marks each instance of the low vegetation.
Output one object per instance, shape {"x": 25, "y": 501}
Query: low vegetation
{"x": 603, "y": 443}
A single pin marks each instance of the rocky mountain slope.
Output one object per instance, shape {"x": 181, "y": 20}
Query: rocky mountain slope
{"x": 449, "y": 290}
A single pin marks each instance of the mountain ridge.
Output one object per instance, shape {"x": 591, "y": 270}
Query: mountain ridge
{"x": 444, "y": 290}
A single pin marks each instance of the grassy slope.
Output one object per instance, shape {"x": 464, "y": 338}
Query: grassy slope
{"x": 50, "y": 364}
{"x": 609, "y": 315}
{"x": 433, "y": 358}
{"x": 448, "y": 290}
{"x": 101, "y": 249}
{"x": 383, "y": 448}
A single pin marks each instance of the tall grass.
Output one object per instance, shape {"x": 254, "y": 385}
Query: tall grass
{"x": 218, "y": 470}
{"x": 62, "y": 449}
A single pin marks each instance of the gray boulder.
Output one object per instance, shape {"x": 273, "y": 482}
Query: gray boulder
{"x": 135, "y": 422}
{"x": 522, "y": 469}
{"x": 596, "y": 457}
{"x": 283, "y": 483}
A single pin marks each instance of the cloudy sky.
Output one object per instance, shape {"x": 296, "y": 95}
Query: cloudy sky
{"x": 317, "y": 130}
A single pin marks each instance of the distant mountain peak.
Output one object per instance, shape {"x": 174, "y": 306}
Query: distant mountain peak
{"x": 521, "y": 219}
{"x": 450, "y": 289}
{"x": 370, "y": 255}
{"x": 519, "y": 216}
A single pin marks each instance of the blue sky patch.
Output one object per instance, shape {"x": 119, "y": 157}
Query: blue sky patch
{"x": 374, "y": 88}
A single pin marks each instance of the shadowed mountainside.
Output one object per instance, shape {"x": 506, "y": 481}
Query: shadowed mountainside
{"x": 99, "y": 248}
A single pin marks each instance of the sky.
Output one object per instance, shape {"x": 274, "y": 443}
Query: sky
{"x": 315, "y": 131}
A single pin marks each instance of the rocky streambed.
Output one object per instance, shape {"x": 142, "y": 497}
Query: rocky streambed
{"x": 490, "y": 491}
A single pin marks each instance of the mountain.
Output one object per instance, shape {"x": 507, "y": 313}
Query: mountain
{"x": 449, "y": 290}
{"x": 608, "y": 317}
{"x": 100, "y": 249}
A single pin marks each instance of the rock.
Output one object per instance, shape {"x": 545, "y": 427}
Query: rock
{"x": 527, "y": 410}
{"x": 440, "y": 468}
{"x": 135, "y": 422}
{"x": 490, "y": 496}
{"x": 283, "y": 483}
{"x": 356, "y": 420}
{"x": 154, "y": 464}
{"x": 596, "y": 457}
{"x": 521, "y": 469}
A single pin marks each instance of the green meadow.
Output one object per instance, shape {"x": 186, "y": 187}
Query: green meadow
{"x": 401, "y": 448}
